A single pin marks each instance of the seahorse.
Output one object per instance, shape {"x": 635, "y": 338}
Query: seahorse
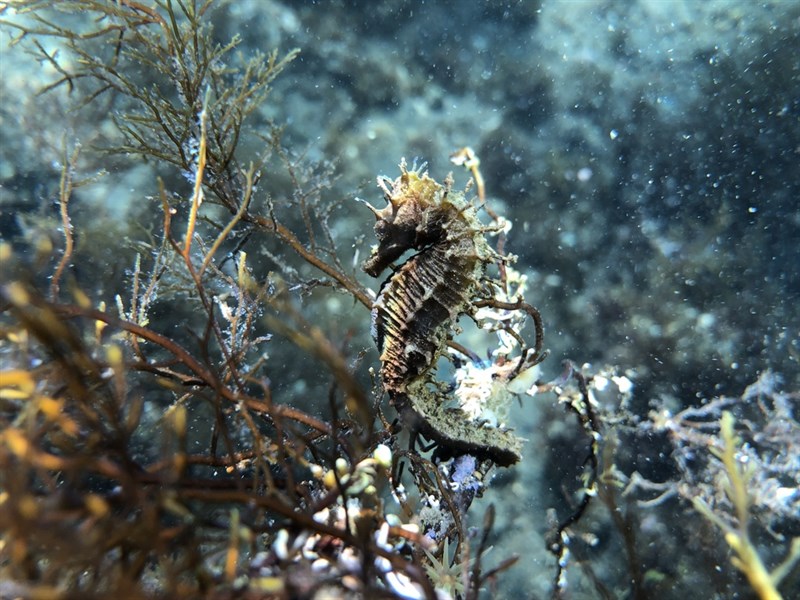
{"x": 417, "y": 307}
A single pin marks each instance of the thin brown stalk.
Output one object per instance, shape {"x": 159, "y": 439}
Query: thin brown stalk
{"x": 64, "y": 194}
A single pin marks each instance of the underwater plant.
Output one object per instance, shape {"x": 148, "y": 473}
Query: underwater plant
{"x": 150, "y": 443}
{"x": 747, "y": 559}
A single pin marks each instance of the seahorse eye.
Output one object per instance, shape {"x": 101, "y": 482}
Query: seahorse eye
{"x": 381, "y": 230}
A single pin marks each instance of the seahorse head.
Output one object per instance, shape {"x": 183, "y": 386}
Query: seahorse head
{"x": 409, "y": 220}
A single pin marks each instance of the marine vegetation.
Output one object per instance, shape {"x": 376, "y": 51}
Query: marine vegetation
{"x": 190, "y": 402}
{"x": 149, "y": 444}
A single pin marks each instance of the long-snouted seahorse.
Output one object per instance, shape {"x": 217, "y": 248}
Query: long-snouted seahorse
{"x": 418, "y": 305}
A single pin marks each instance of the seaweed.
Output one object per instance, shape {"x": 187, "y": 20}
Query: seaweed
{"x": 152, "y": 445}
{"x": 656, "y": 516}
{"x": 747, "y": 559}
